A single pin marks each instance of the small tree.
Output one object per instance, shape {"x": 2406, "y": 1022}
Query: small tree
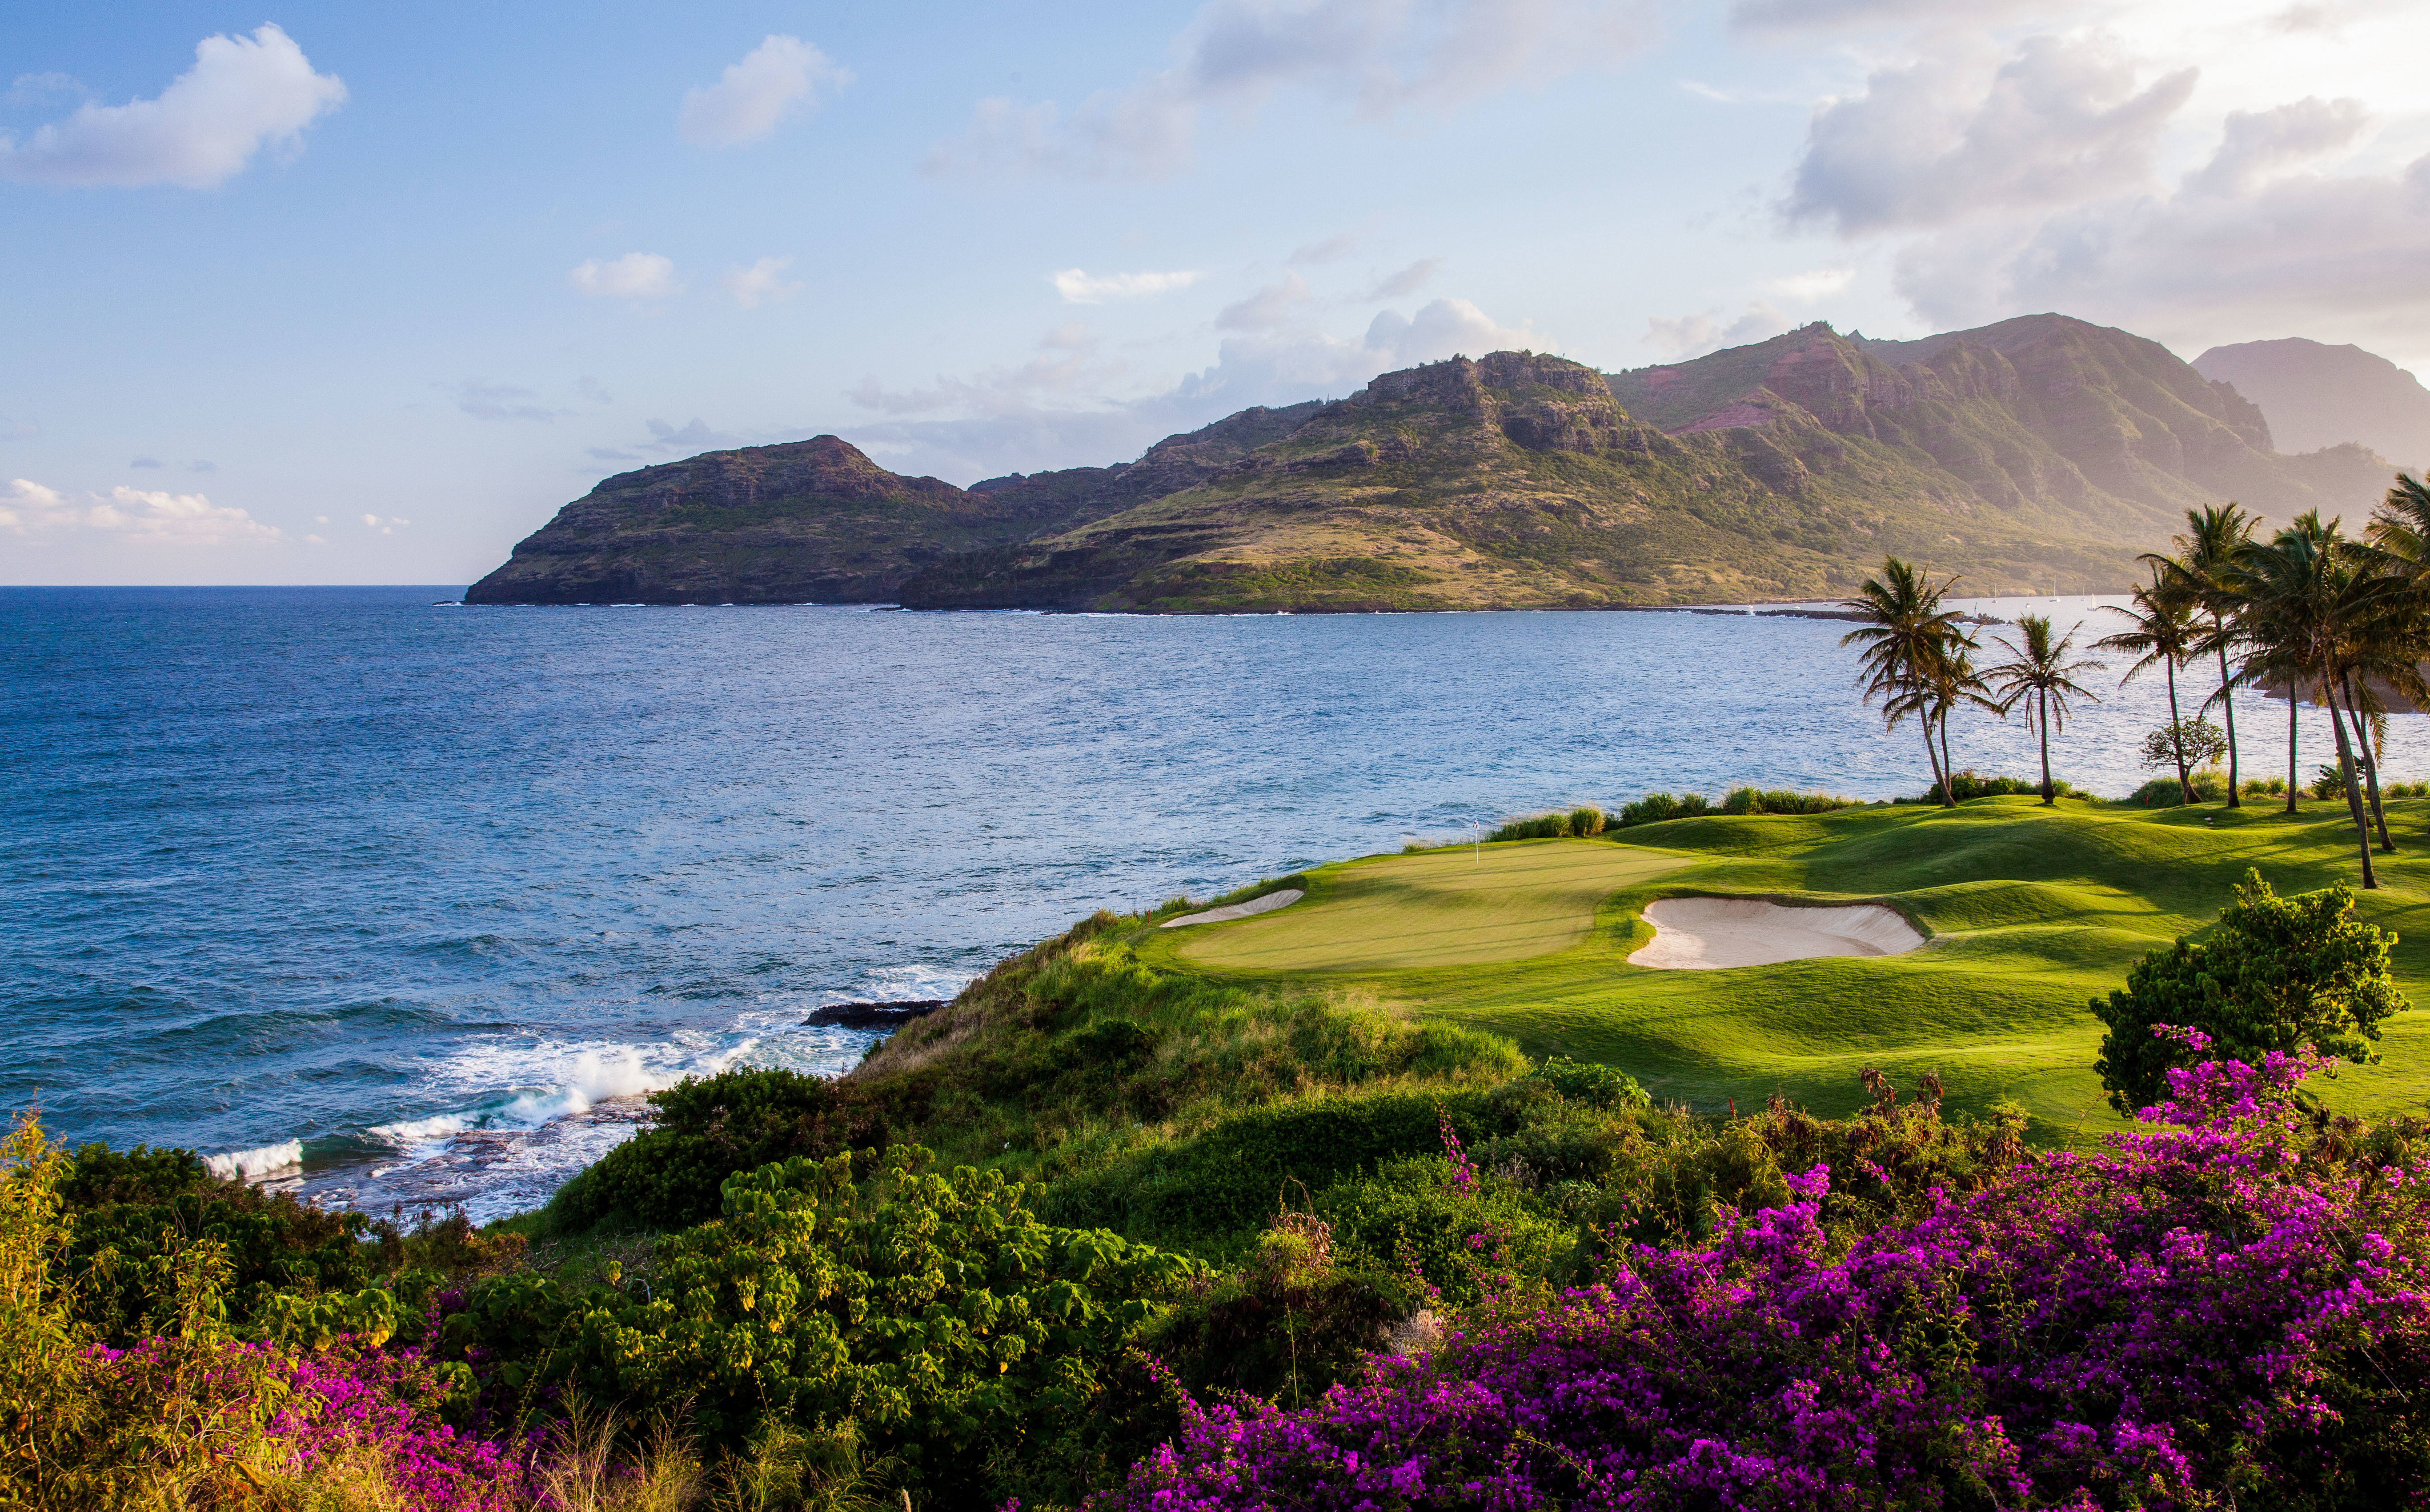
{"x": 2188, "y": 745}
{"x": 2279, "y": 973}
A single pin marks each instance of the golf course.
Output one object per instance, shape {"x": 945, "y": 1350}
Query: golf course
{"x": 2029, "y": 912}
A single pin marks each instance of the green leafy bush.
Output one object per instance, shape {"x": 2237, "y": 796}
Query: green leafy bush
{"x": 1585, "y": 822}
{"x": 2210, "y": 786}
{"x": 1541, "y": 827}
{"x": 1773, "y": 801}
{"x": 2194, "y": 742}
{"x": 1656, "y": 806}
{"x": 1970, "y": 784}
{"x": 969, "y": 1342}
{"x": 2277, "y": 974}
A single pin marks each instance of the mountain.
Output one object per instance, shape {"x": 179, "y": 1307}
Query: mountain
{"x": 2317, "y": 396}
{"x": 2038, "y": 449}
{"x": 2035, "y": 451}
{"x": 817, "y": 521}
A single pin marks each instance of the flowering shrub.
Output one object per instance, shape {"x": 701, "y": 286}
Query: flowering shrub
{"x": 2225, "y": 1311}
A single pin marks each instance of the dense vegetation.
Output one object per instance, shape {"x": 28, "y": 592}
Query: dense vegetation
{"x": 1097, "y": 1207}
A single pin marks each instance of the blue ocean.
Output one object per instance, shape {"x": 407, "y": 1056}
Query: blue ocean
{"x": 393, "y": 901}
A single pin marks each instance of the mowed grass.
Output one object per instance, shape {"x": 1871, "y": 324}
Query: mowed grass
{"x": 1450, "y": 907}
{"x": 2033, "y": 912}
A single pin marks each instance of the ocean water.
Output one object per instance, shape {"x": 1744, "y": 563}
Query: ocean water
{"x": 397, "y": 902}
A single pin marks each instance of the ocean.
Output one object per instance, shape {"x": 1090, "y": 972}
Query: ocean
{"x": 395, "y": 902}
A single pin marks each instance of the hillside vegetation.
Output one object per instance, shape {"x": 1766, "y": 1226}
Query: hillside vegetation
{"x": 2039, "y": 451}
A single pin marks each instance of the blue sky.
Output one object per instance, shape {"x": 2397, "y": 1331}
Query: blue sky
{"x": 357, "y": 293}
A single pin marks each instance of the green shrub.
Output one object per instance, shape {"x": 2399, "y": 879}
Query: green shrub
{"x": 1772, "y": 801}
{"x": 1970, "y": 784}
{"x": 2405, "y": 790}
{"x": 971, "y": 1343}
{"x": 2329, "y": 782}
{"x": 2210, "y": 786}
{"x": 1585, "y": 822}
{"x": 2195, "y": 742}
{"x": 1656, "y": 806}
{"x": 2277, "y": 974}
{"x": 2265, "y": 786}
{"x": 1541, "y": 827}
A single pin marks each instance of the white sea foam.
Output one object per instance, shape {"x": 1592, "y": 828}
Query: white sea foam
{"x": 252, "y": 1165}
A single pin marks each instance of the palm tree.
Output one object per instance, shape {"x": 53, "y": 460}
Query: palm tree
{"x": 2310, "y": 602}
{"x": 2204, "y": 568}
{"x": 1952, "y": 680}
{"x": 2041, "y": 670}
{"x": 2162, "y": 634}
{"x": 1905, "y": 633}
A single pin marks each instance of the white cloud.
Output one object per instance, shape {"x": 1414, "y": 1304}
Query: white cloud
{"x": 777, "y": 78}
{"x": 385, "y": 527}
{"x": 27, "y": 505}
{"x": 1966, "y": 131}
{"x": 159, "y": 516}
{"x": 243, "y": 93}
{"x": 498, "y": 401}
{"x": 1276, "y": 304}
{"x": 1407, "y": 281}
{"x": 763, "y": 279}
{"x": 1330, "y": 250}
{"x": 2257, "y": 143}
{"x": 1081, "y": 288}
{"x": 1801, "y": 15}
{"x": 1681, "y": 337}
{"x": 634, "y": 275}
{"x": 133, "y": 514}
{"x": 1807, "y": 288}
{"x": 689, "y": 439}
{"x": 1375, "y": 57}
{"x": 1058, "y": 409}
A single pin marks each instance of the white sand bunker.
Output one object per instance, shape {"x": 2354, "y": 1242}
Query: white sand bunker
{"x": 1268, "y": 903}
{"x": 1706, "y": 933}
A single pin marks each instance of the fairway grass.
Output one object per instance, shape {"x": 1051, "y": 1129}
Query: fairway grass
{"x": 2032, "y": 911}
{"x": 1450, "y": 907}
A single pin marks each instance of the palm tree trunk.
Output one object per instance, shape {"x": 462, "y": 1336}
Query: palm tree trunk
{"x": 1948, "y": 773}
{"x": 2178, "y": 734}
{"x": 2353, "y": 794}
{"x": 2370, "y": 766}
{"x": 2228, "y": 711}
{"x": 2049, "y": 794}
{"x": 2294, "y": 704}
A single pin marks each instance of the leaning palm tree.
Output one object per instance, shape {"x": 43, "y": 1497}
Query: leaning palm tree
{"x": 1906, "y": 632}
{"x": 1950, "y": 681}
{"x": 2203, "y": 569}
{"x": 2310, "y": 600}
{"x": 2160, "y": 633}
{"x": 2042, "y": 674}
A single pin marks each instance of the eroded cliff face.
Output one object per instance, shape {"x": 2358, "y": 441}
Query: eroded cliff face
{"x": 2034, "y": 449}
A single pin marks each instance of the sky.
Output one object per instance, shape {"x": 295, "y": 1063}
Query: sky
{"x": 362, "y": 293}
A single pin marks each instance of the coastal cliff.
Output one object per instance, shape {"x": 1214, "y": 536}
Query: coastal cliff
{"x": 2037, "y": 452}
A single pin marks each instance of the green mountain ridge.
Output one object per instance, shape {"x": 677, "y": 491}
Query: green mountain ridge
{"x": 2035, "y": 451}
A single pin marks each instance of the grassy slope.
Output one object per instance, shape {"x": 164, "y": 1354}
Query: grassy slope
{"x": 2033, "y": 912}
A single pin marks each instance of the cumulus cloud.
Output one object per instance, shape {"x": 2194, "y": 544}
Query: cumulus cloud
{"x": 2305, "y": 251}
{"x": 143, "y": 515}
{"x": 498, "y": 401}
{"x": 1807, "y": 288}
{"x": 1080, "y": 287}
{"x": 1681, "y": 337}
{"x": 764, "y": 279}
{"x": 1276, "y": 304}
{"x": 634, "y": 275}
{"x": 780, "y": 78}
{"x": 243, "y": 94}
{"x": 1966, "y": 131}
{"x": 1375, "y": 57}
{"x": 385, "y": 527}
{"x": 1072, "y": 404}
{"x": 1407, "y": 281}
{"x": 2259, "y": 144}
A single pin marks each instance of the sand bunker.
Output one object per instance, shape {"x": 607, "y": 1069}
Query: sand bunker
{"x": 1268, "y": 903}
{"x": 1706, "y": 933}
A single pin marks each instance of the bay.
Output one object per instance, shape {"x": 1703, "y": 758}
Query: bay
{"x": 393, "y": 901}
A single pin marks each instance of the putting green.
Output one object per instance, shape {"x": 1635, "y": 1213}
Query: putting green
{"x": 2033, "y": 912}
{"x": 1450, "y": 907}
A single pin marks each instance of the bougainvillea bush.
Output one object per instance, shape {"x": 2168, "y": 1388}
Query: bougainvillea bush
{"x": 2225, "y": 1311}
